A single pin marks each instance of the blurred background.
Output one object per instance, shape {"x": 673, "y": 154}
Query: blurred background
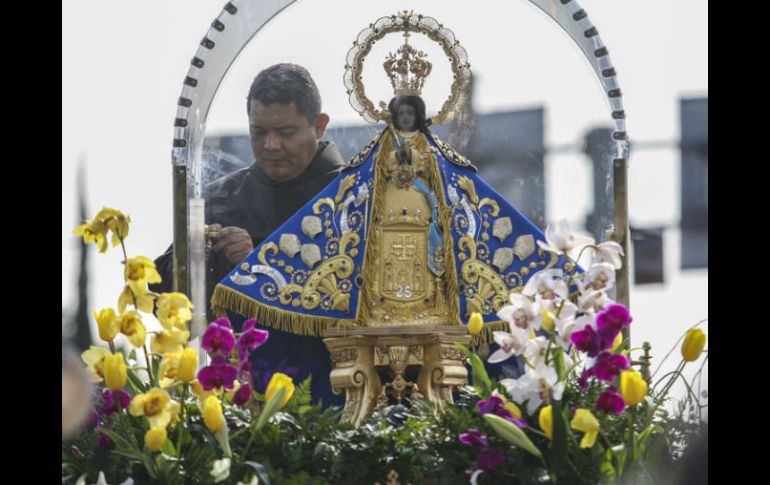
{"x": 541, "y": 130}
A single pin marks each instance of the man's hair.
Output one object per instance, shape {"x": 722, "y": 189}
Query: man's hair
{"x": 286, "y": 83}
{"x": 415, "y": 102}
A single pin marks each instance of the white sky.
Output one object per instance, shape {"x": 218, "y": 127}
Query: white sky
{"x": 123, "y": 64}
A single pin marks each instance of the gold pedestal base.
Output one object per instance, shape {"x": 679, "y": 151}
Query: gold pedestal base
{"x": 359, "y": 355}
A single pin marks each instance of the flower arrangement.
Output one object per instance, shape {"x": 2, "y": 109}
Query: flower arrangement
{"x": 577, "y": 414}
{"x": 601, "y": 419}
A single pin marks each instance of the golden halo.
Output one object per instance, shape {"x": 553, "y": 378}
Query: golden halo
{"x": 406, "y": 21}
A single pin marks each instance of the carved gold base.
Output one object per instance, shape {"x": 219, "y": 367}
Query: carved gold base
{"x": 361, "y": 355}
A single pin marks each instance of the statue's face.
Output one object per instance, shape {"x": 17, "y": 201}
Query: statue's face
{"x": 406, "y": 117}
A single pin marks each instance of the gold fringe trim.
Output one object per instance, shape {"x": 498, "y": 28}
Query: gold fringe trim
{"x": 225, "y": 298}
{"x": 485, "y": 336}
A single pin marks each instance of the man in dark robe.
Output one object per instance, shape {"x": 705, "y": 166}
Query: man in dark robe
{"x": 291, "y": 166}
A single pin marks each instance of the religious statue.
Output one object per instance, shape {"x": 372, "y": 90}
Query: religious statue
{"x": 390, "y": 259}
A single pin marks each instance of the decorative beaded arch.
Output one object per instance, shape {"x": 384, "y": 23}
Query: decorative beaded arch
{"x": 240, "y": 20}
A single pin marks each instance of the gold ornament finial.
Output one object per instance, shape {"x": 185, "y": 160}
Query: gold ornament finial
{"x": 408, "y": 68}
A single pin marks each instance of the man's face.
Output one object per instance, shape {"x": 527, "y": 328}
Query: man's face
{"x": 406, "y": 117}
{"x": 283, "y": 141}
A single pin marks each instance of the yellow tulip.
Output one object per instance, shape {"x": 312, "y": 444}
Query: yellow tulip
{"x": 546, "y": 421}
{"x": 585, "y": 421}
{"x": 548, "y": 320}
{"x": 115, "y": 371}
{"x": 108, "y": 324}
{"x": 475, "y": 324}
{"x": 132, "y": 327}
{"x": 693, "y": 344}
{"x": 212, "y": 414}
{"x": 277, "y": 382}
{"x": 188, "y": 365}
{"x": 632, "y": 387}
{"x": 512, "y": 408}
{"x": 155, "y": 438}
{"x": 616, "y": 343}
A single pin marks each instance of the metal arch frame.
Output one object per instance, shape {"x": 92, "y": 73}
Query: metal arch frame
{"x": 240, "y": 20}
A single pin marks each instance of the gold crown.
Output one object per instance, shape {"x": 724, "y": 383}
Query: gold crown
{"x": 407, "y": 69}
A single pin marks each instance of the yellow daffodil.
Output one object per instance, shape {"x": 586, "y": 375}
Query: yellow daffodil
{"x": 169, "y": 341}
{"x": 188, "y": 365}
{"x": 212, "y": 414}
{"x": 475, "y": 324}
{"x": 174, "y": 310}
{"x": 144, "y": 303}
{"x": 633, "y": 387}
{"x": 278, "y": 381}
{"x": 693, "y": 344}
{"x": 512, "y": 408}
{"x": 140, "y": 271}
{"x": 94, "y": 359}
{"x": 546, "y": 421}
{"x": 586, "y": 422}
{"x": 168, "y": 369}
{"x": 156, "y": 405}
{"x": 108, "y": 324}
{"x": 132, "y": 327}
{"x": 115, "y": 371}
{"x": 155, "y": 438}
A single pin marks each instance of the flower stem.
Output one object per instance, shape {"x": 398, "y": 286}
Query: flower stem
{"x": 149, "y": 366}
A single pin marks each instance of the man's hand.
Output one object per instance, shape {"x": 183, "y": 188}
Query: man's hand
{"x": 235, "y": 242}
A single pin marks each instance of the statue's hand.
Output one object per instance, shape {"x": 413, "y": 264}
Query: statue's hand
{"x": 235, "y": 242}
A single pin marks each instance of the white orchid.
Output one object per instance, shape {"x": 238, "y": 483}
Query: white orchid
{"x": 536, "y": 386}
{"x": 220, "y": 470}
{"x": 547, "y": 285}
{"x": 513, "y": 343}
{"x": 609, "y": 252}
{"x": 594, "y": 301}
{"x": 559, "y": 240}
{"x": 534, "y": 352}
{"x": 522, "y": 313}
{"x": 600, "y": 276}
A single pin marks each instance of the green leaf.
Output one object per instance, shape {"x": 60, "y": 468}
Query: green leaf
{"x": 261, "y": 472}
{"x": 559, "y": 441}
{"x": 270, "y": 408}
{"x": 168, "y": 448}
{"x": 606, "y": 469}
{"x": 138, "y": 386}
{"x": 479, "y": 377}
{"x": 511, "y": 433}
